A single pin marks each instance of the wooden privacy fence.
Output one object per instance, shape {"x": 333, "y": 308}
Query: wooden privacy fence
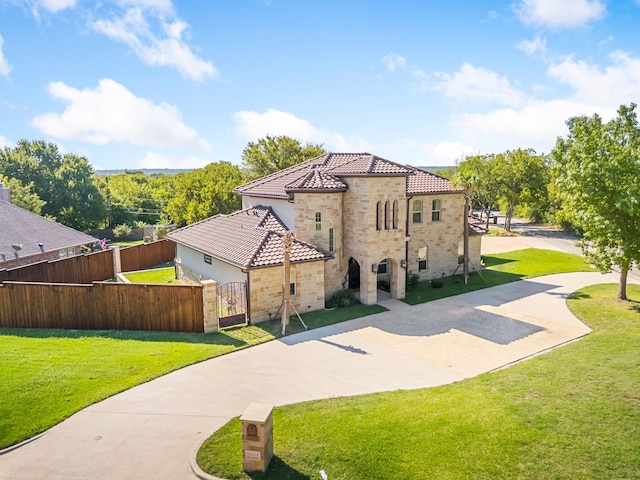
{"x": 145, "y": 255}
{"x": 78, "y": 269}
{"x": 102, "y": 306}
{"x": 93, "y": 267}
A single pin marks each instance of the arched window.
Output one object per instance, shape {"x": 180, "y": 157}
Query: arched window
{"x": 387, "y": 216}
{"x": 417, "y": 211}
{"x": 379, "y": 215}
{"x": 395, "y": 214}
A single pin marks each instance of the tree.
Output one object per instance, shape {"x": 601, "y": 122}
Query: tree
{"x": 22, "y": 196}
{"x": 476, "y": 175}
{"x": 598, "y": 173}
{"x": 204, "y": 192}
{"x": 65, "y": 184}
{"x": 521, "y": 177}
{"x": 272, "y": 154}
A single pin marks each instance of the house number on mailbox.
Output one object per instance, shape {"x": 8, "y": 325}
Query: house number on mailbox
{"x": 252, "y": 430}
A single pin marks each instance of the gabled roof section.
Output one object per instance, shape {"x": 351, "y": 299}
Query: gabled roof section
{"x": 28, "y": 230}
{"x": 477, "y": 226}
{"x": 424, "y": 183}
{"x": 325, "y": 173}
{"x": 248, "y": 239}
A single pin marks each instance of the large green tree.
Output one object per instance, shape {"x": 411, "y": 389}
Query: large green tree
{"x": 204, "y": 192}
{"x": 64, "y": 183}
{"x": 475, "y": 175}
{"x": 22, "y": 196}
{"x": 598, "y": 173}
{"x": 522, "y": 177}
{"x": 271, "y": 154}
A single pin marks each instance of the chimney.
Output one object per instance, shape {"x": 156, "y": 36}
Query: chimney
{"x": 5, "y": 194}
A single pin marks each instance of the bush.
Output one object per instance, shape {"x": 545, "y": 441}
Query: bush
{"x": 342, "y": 298}
{"x": 161, "y": 232}
{"x": 121, "y": 231}
{"x": 412, "y": 281}
{"x": 436, "y": 283}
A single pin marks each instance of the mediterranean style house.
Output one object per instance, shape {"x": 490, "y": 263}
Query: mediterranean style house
{"x": 357, "y": 220}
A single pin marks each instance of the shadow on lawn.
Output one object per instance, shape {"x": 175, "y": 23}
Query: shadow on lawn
{"x": 280, "y": 470}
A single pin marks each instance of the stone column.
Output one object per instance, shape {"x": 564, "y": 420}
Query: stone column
{"x": 210, "y": 305}
{"x": 257, "y": 437}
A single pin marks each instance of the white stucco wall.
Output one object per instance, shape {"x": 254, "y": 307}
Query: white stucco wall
{"x": 284, "y": 209}
{"x": 219, "y": 271}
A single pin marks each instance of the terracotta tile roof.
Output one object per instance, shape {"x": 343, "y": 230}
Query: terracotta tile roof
{"x": 323, "y": 174}
{"x": 422, "y": 182}
{"x": 23, "y": 228}
{"x": 477, "y": 226}
{"x": 248, "y": 238}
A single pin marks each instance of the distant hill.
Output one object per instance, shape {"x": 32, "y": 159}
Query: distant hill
{"x": 146, "y": 171}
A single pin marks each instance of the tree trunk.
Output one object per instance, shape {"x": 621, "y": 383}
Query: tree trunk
{"x": 622, "y": 286}
{"x": 507, "y": 220}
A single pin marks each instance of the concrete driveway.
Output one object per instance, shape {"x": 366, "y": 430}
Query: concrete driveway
{"x": 151, "y": 431}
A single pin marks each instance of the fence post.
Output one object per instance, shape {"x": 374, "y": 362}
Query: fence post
{"x": 210, "y": 305}
{"x": 117, "y": 265}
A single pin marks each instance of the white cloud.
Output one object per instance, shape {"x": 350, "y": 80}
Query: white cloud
{"x": 537, "y": 45}
{"x": 614, "y": 85}
{"x": 166, "y": 48}
{"x": 392, "y": 61}
{"x": 5, "y": 68}
{"x": 559, "y": 13}
{"x": 111, "y": 113}
{"x": 254, "y": 125}
{"x": 427, "y": 154}
{"x": 471, "y": 83}
{"x": 4, "y": 142}
{"x": 56, "y": 5}
{"x": 156, "y": 160}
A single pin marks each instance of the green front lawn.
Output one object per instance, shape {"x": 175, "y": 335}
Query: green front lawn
{"x": 573, "y": 413}
{"x": 500, "y": 268}
{"x": 47, "y": 375}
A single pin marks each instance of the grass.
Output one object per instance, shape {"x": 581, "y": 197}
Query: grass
{"x": 499, "y": 269}
{"x": 47, "y": 375}
{"x": 573, "y": 413}
{"x": 156, "y": 276}
{"x": 126, "y": 243}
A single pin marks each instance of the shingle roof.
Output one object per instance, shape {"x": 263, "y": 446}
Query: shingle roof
{"x": 324, "y": 173}
{"x": 248, "y": 238}
{"x": 23, "y": 228}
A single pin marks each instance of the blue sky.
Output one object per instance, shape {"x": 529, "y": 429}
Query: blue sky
{"x": 162, "y": 84}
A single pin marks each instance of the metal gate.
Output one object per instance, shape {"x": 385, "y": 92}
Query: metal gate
{"x": 232, "y": 304}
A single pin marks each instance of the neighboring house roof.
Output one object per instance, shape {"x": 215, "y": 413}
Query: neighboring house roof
{"x": 324, "y": 173}
{"x": 248, "y": 238}
{"x": 477, "y": 226}
{"x": 33, "y": 234}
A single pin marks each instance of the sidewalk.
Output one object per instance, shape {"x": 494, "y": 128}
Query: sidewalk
{"x": 151, "y": 431}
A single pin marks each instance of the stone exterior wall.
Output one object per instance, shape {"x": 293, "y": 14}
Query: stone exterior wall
{"x": 363, "y": 241}
{"x": 442, "y": 238}
{"x": 265, "y": 289}
{"x": 329, "y": 205}
{"x": 187, "y": 275}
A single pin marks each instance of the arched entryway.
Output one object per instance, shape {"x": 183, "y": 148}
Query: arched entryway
{"x": 354, "y": 274}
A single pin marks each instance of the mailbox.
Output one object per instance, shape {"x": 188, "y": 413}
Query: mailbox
{"x": 257, "y": 437}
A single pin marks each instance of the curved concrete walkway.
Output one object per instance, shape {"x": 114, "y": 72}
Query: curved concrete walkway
{"x": 150, "y": 431}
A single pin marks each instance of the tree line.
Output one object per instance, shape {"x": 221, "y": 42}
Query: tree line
{"x": 589, "y": 182}
{"x": 64, "y": 187}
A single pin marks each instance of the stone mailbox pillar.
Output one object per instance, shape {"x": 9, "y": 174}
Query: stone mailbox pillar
{"x": 257, "y": 437}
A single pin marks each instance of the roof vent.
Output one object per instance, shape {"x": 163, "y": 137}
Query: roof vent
{"x": 17, "y": 247}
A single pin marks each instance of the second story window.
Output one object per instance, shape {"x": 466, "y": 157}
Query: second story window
{"x": 318, "y": 225}
{"x": 395, "y": 214}
{"x": 436, "y": 209}
{"x": 331, "y": 246}
{"x": 417, "y": 211}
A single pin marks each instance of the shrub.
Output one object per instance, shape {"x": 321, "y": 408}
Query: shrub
{"x": 121, "y": 231}
{"x": 436, "y": 283}
{"x": 342, "y": 298}
{"x": 412, "y": 281}
{"x": 161, "y": 232}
